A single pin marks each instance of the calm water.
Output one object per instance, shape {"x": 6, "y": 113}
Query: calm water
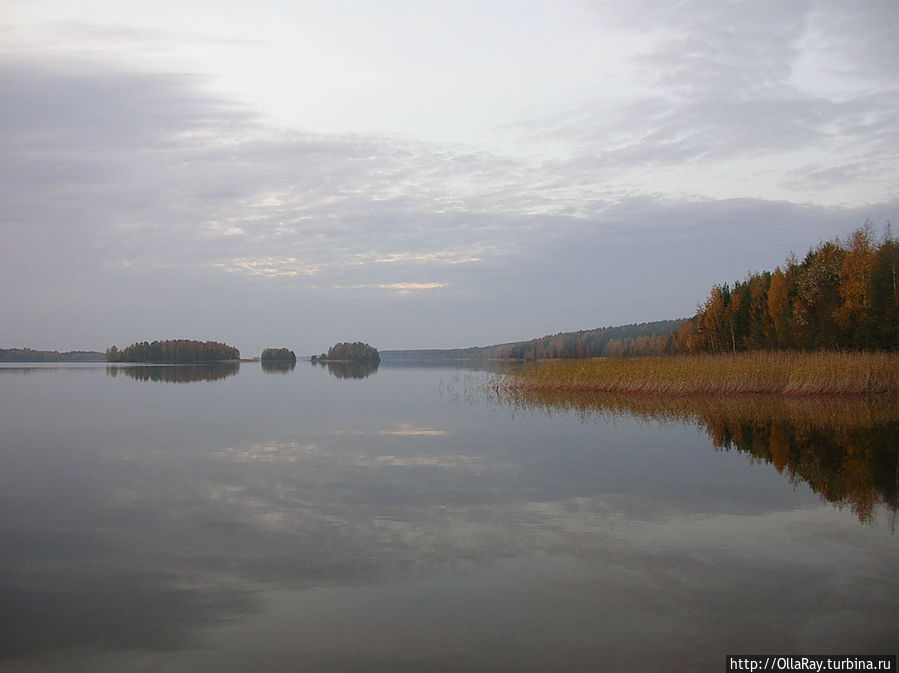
{"x": 249, "y": 520}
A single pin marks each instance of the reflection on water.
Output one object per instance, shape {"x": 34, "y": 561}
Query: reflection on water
{"x": 176, "y": 373}
{"x": 295, "y": 523}
{"x": 846, "y": 449}
{"x": 350, "y": 370}
{"x": 278, "y": 366}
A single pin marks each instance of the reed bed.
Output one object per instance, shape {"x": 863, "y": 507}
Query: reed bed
{"x": 784, "y": 373}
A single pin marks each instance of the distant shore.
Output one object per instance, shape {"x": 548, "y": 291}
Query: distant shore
{"x": 23, "y": 355}
{"x": 787, "y": 373}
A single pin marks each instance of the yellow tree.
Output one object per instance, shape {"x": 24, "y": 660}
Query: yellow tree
{"x": 777, "y": 325}
{"x": 715, "y": 319}
{"x": 852, "y": 315}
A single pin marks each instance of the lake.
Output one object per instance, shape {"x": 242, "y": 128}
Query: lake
{"x": 238, "y": 519}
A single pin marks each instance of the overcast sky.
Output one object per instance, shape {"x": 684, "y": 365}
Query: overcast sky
{"x": 424, "y": 174}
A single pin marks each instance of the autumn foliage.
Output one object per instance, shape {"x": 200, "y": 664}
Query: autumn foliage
{"x": 843, "y": 295}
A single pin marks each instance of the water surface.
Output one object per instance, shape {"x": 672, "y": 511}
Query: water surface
{"x": 235, "y": 519}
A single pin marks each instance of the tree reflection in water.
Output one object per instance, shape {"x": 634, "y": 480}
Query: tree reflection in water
{"x": 176, "y": 373}
{"x": 345, "y": 369}
{"x": 845, "y": 449}
{"x": 278, "y": 366}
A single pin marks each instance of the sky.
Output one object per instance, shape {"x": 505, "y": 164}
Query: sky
{"x": 424, "y": 174}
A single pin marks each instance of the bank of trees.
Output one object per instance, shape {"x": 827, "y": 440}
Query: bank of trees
{"x": 843, "y": 295}
{"x": 650, "y": 338}
{"x": 173, "y": 350}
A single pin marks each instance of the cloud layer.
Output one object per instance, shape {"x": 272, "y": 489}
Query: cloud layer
{"x": 138, "y": 205}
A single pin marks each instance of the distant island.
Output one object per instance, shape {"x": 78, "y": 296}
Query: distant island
{"x": 278, "y": 355}
{"x": 174, "y": 351}
{"x": 31, "y": 355}
{"x": 278, "y": 360}
{"x": 350, "y": 352}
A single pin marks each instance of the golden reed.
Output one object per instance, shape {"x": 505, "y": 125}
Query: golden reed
{"x": 785, "y": 373}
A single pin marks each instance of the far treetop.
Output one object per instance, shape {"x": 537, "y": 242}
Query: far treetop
{"x": 350, "y": 352}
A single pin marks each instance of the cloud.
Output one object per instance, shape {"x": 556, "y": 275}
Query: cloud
{"x": 269, "y": 267}
{"x": 408, "y": 288}
{"x": 472, "y": 463}
{"x": 119, "y": 184}
{"x": 733, "y": 104}
{"x": 405, "y": 430}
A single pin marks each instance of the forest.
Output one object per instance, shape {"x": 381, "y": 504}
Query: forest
{"x": 637, "y": 339}
{"x": 173, "y": 350}
{"x": 842, "y": 295}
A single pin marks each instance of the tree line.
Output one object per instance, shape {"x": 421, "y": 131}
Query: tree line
{"x": 173, "y": 350}
{"x": 842, "y": 295}
{"x": 636, "y": 339}
{"x": 31, "y": 355}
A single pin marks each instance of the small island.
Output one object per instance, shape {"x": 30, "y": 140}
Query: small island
{"x": 278, "y": 355}
{"x": 278, "y": 360}
{"x": 350, "y": 352}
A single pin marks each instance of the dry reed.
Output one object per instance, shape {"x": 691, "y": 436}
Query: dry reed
{"x": 770, "y": 372}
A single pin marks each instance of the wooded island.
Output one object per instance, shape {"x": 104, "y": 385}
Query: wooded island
{"x": 174, "y": 351}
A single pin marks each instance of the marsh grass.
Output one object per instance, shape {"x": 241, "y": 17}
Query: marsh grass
{"x": 771, "y": 372}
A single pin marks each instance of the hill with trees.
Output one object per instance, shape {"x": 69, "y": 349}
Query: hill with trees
{"x": 635, "y": 339}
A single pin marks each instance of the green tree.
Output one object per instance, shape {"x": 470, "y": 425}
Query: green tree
{"x": 884, "y": 296}
{"x": 818, "y": 297}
